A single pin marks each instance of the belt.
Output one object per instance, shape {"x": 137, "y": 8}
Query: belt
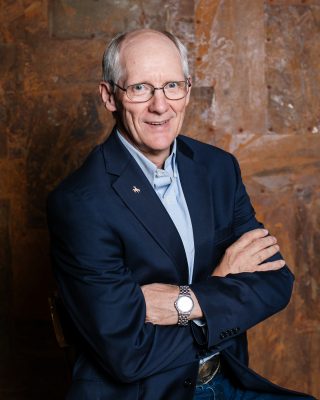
{"x": 208, "y": 370}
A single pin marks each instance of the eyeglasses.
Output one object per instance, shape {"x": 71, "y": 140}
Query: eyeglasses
{"x": 142, "y": 92}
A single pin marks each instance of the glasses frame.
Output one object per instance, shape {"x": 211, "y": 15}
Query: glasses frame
{"x": 187, "y": 82}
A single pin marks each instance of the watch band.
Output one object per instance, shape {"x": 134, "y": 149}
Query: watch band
{"x": 184, "y": 291}
{"x": 183, "y": 319}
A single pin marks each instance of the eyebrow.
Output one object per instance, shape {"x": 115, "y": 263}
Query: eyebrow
{"x": 151, "y": 84}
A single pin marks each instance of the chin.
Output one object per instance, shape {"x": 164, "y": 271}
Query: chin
{"x": 162, "y": 145}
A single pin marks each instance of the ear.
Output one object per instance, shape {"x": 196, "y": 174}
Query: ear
{"x": 188, "y": 95}
{"x": 107, "y": 96}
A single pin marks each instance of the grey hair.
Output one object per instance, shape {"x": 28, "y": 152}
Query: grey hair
{"x": 111, "y": 67}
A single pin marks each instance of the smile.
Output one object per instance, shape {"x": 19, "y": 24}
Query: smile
{"x": 158, "y": 123}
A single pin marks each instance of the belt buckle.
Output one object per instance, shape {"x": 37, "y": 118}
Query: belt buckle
{"x": 208, "y": 370}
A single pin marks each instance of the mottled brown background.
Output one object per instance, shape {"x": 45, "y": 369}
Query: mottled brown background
{"x": 263, "y": 59}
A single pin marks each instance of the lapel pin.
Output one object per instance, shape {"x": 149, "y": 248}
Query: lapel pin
{"x": 135, "y": 189}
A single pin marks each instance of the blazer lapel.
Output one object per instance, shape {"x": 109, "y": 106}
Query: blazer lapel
{"x": 196, "y": 189}
{"x": 136, "y": 192}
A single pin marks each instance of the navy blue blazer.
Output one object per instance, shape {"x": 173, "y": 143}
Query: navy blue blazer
{"x": 108, "y": 240}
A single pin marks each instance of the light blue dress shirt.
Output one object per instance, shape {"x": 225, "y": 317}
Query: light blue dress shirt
{"x": 166, "y": 184}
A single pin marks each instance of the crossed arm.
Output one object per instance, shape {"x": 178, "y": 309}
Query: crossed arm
{"x": 247, "y": 254}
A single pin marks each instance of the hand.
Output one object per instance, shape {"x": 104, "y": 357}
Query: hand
{"x": 160, "y": 298}
{"x": 248, "y": 253}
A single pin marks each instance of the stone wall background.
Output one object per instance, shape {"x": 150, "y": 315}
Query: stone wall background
{"x": 255, "y": 66}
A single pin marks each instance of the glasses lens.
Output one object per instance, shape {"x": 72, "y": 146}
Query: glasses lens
{"x": 140, "y": 92}
{"x": 176, "y": 90}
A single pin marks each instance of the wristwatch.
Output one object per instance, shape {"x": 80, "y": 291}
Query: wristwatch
{"x": 184, "y": 305}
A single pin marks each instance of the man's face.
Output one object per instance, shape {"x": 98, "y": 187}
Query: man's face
{"x": 151, "y": 126}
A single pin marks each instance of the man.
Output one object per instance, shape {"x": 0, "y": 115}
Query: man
{"x": 158, "y": 257}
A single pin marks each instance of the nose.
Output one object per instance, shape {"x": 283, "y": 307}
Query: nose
{"x": 158, "y": 103}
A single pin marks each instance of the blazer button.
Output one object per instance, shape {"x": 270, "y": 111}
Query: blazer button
{"x": 187, "y": 382}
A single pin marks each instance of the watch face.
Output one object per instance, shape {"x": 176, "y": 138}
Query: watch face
{"x": 184, "y": 304}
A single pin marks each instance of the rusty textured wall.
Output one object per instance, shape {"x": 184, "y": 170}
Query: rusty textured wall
{"x": 255, "y": 66}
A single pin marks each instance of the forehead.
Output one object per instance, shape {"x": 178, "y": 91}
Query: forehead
{"x": 150, "y": 56}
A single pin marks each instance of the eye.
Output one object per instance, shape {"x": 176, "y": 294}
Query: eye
{"x": 139, "y": 88}
{"x": 172, "y": 85}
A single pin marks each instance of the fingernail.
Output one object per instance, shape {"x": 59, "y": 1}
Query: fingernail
{"x": 283, "y": 263}
{"x": 265, "y": 231}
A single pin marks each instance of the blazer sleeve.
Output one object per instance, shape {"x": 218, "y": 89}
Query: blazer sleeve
{"x": 105, "y": 304}
{"x": 235, "y": 303}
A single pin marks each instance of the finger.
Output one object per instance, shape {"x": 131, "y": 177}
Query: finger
{"x": 260, "y": 244}
{"x": 272, "y": 265}
{"x": 264, "y": 254}
{"x": 249, "y": 237}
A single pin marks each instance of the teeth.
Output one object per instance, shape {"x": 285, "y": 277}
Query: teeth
{"x": 157, "y": 123}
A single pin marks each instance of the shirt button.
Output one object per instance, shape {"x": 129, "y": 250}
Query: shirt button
{"x": 160, "y": 173}
{"x": 187, "y": 382}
